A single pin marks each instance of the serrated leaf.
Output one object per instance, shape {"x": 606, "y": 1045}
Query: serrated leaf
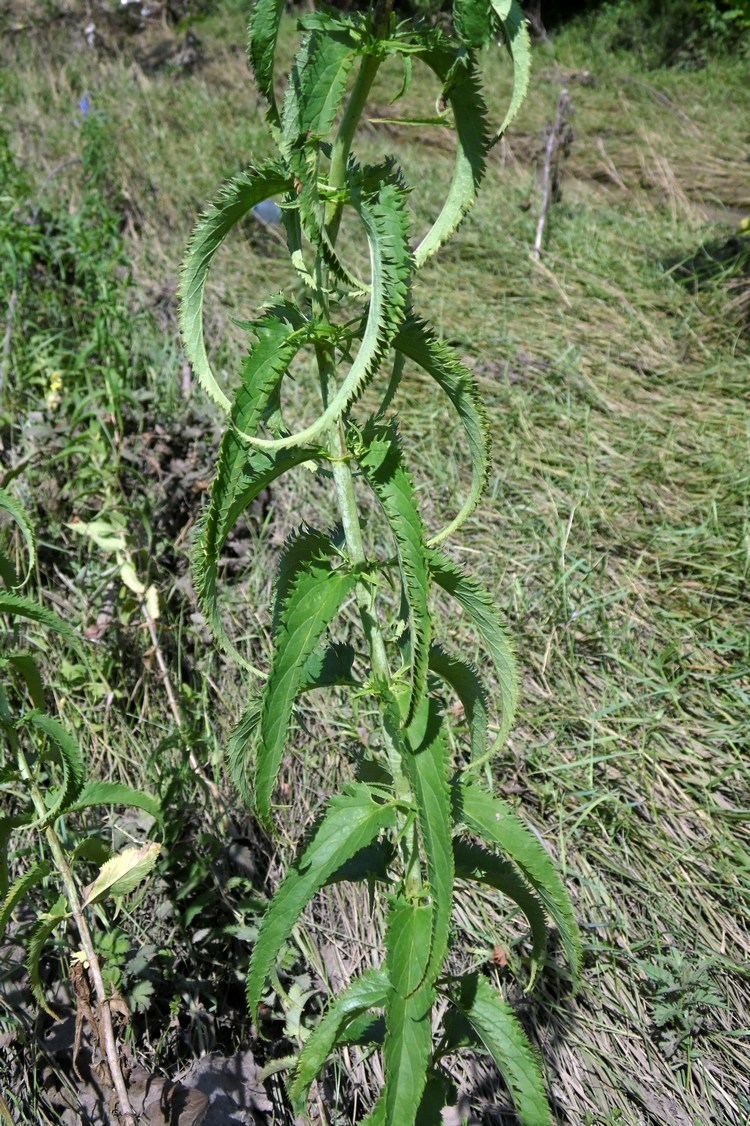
{"x": 480, "y": 606}
{"x": 20, "y": 887}
{"x": 379, "y": 198}
{"x": 367, "y": 992}
{"x": 114, "y": 793}
{"x": 7, "y": 825}
{"x": 471, "y": 19}
{"x": 417, "y": 342}
{"x": 497, "y": 824}
{"x": 241, "y": 476}
{"x": 18, "y": 606}
{"x": 380, "y": 460}
{"x": 462, "y": 92}
{"x": 43, "y": 928}
{"x": 263, "y": 32}
{"x": 408, "y": 1036}
{"x": 512, "y": 20}
{"x": 71, "y": 759}
{"x": 351, "y": 821}
{"x": 376, "y": 1117}
{"x": 17, "y": 512}
{"x": 233, "y": 202}
{"x": 465, "y": 681}
{"x": 427, "y": 769}
{"x": 314, "y": 598}
{"x": 27, "y": 667}
{"x": 123, "y": 873}
{"x": 319, "y": 84}
{"x": 476, "y": 864}
{"x": 496, "y": 1025}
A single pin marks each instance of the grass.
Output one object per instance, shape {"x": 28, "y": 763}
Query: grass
{"x": 615, "y": 532}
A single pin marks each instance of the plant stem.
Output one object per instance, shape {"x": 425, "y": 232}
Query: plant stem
{"x": 106, "y": 1028}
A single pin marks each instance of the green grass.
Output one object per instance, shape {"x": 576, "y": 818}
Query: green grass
{"x": 616, "y": 534}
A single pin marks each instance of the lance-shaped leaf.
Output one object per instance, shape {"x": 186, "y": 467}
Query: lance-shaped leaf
{"x": 512, "y": 21}
{"x": 380, "y": 460}
{"x": 233, "y": 201}
{"x": 27, "y": 667}
{"x": 480, "y": 866}
{"x": 20, "y": 887}
{"x": 326, "y": 667}
{"x": 381, "y": 205}
{"x": 496, "y": 823}
{"x": 114, "y": 793}
{"x": 17, "y": 512}
{"x": 352, "y": 820}
{"x": 241, "y": 472}
{"x": 18, "y": 606}
{"x": 462, "y": 92}
{"x": 43, "y": 928}
{"x": 7, "y": 825}
{"x": 471, "y": 691}
{"x": 263, "y": 32}
{"x": 376, "y": 1117}
{"x": 480, "y": 606}
{"x": 319, "y": 82}
{"x": 427, "y": 768}
{"x": 69, "y": 753}
{"x": 415, "y": 341}
{"x": 497, "y": 1028}
{"x": 122, "y": 873}
{"x": 408, "y": 1028}
{"x": 365, "y": 993}
{"x": 314, "y": 598}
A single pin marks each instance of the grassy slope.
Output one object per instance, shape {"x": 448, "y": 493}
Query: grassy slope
{"x": 616, "y": 530}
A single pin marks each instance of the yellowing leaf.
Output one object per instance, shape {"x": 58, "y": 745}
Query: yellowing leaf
{"x": 130, "y": 578}
{"x": 152, "y": 602}
{"x": 106, "y": 534}
{"x": 122, "y": 873}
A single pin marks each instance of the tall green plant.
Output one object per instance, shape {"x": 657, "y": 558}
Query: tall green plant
{"x": 413, "y": 820}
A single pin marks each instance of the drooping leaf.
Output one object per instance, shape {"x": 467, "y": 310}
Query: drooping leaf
{"x": 20, "y": 887}
{"x": 7, "y": 825}
{"x": 461, "y": 90}
{"x": 369, "y": 991}
{"x": 379, "y": 198}
{"x": 408, "y": 1035}
{"x": 480, "y": 606}
{"x": 352, "y": 820}
{"x": 515, "y": 30}
{"x": 263, "y": 32}
{"x": 417, "y": 342}
{"x": 465, "y": 681}
{"x": 17, "y": 512}
{"x": 71, "y": 760}
{"x": 314, "y": 598}
{"x": 43, "y": 928}
{"x": 19, "y": 606}
{"x": 123, "y": 873}
{"x": 28, "y": 669}
{"x": 497, "y": 1027}
{"x": 497, "y": 824}
{"x": 234, "y": 201}
{"x": 114, "y": 793}
{"x": 380, "y": 460}
{"x": 480, "y": 866}
{"x": 427, "y": 769}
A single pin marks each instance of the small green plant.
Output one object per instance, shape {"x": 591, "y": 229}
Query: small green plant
{"x": 412, "y": 818}
{"x": 44, "y": 786}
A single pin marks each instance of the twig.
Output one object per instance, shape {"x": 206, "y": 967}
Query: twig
{"x": 556, "y": 137}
